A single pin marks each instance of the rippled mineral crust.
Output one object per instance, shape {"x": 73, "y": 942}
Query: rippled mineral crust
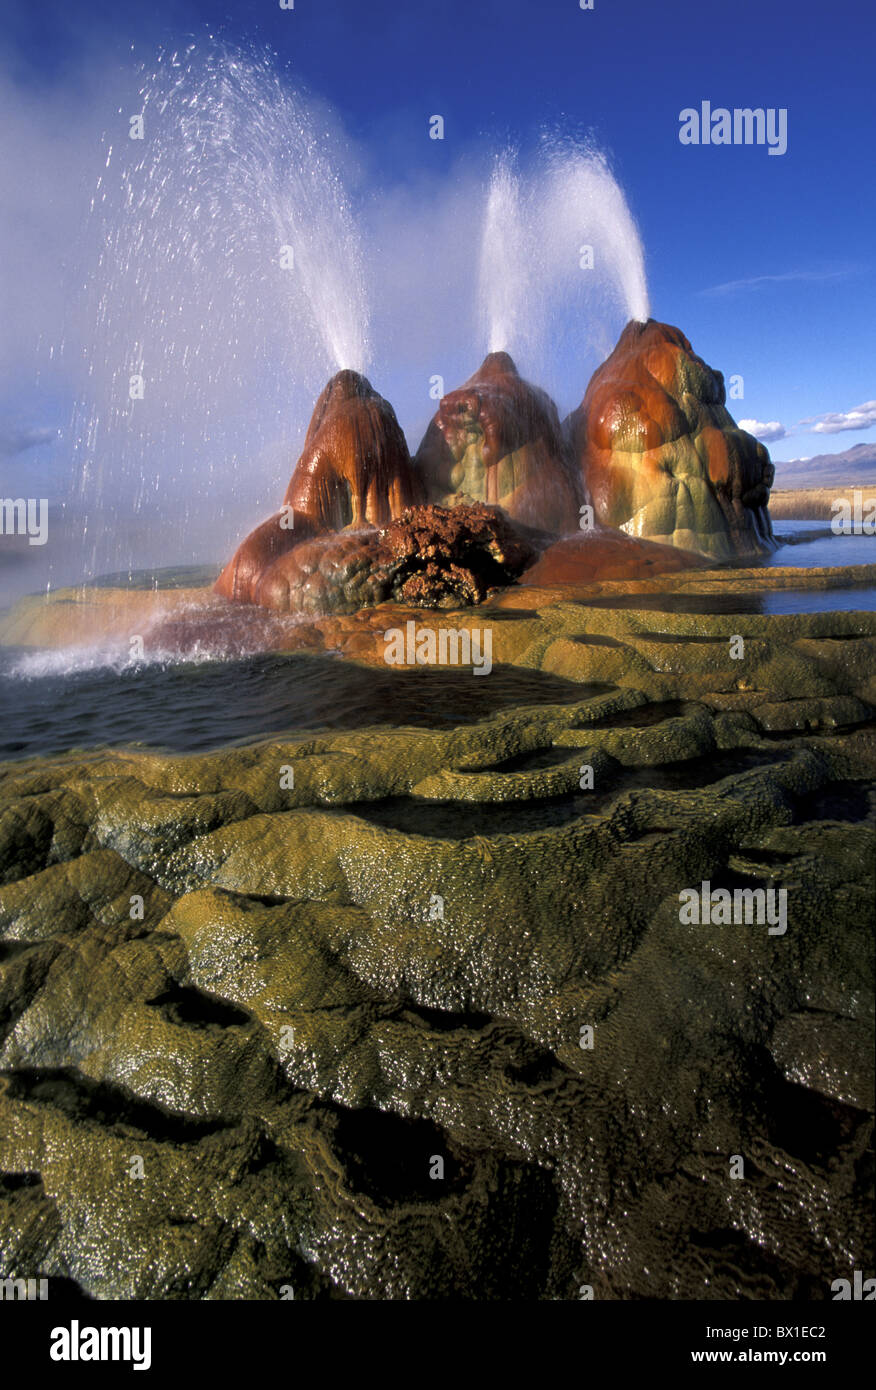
{"x": 432, "y": 556}
{"x": 334, "y": 983}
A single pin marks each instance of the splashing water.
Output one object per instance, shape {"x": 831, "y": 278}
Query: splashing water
{"x": 583, "y": 205}
{"x": 561, "y": 262}
{"x": 225, "y": 273}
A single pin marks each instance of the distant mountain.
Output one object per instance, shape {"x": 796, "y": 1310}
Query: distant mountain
{"x": 855, "y": 465}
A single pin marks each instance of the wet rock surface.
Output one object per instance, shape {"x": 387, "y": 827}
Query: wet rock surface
{"x": 651, "y": 449}
{"x": 662, "y": 456}
{"x": 288, "y": 997}
{"x": 607, "y": 554}
{"x": 354, "y": 470}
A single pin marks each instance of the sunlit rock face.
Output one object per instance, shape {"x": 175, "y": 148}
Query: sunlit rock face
{"x": 498, "y": 440}
{"x": 652, "y": 449}
{"x": 660, "y": 454}
{"x": 354, "y": 469}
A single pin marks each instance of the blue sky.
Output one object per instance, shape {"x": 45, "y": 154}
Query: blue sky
{"x": 766, "y": 263}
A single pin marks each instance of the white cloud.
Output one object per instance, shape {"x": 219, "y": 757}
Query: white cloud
{"x": 753, "y": 282}
{"x": 14, "y": 439}
{"x": 860, "y": 417}
{"x": 771, "y": 429}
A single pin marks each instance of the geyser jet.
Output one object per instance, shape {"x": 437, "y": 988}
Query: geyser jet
{"x": 561, "y": 262}
{"x": 227, "y": 277}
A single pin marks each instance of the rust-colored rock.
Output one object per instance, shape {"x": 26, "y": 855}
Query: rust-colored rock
{"x": 660, "y": 454}
{"x": 430, "y": 557}
{"x": 354, "y": 469}
{"x": 607, "y": 554}
{"x": 444, "y": 558}
{"x": 498, "y": 440}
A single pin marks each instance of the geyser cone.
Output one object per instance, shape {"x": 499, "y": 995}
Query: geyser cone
{"x": 660, "y": 454}
{"x": 355, "y": 469}
{"x": 498, "y": 440}
{"x": 355, "y": 466}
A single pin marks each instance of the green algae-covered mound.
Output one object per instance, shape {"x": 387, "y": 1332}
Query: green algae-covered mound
{"x": 411, "y": 1013}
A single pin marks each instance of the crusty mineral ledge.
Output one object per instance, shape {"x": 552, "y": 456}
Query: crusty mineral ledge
{"x": 177, "y": 617}
{"x": 335, "y": 984}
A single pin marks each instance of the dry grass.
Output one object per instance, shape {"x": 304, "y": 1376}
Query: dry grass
{"x": 813, "y": 503}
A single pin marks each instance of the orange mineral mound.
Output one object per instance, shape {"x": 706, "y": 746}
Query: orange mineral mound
{"x": 607, "y": 554}
{"x": 661, "y": 455}
{"x": 354, "y": 469}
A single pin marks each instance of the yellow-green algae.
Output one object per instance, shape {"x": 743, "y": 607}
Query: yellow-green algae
{"x": 333, "y": 983}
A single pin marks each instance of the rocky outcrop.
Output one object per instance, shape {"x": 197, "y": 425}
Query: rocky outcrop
{"x": 354, "y": 469}
{"x": 441, "y": 558}
{"x": 652, "y": 449}
{"x": 498, "y": 440}
{"x": 430, "y": 556}
{"x": 660, "y": 454}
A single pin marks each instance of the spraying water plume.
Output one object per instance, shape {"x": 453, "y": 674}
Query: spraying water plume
{"x": 561, "y": 260}
{"x": 225, "y": 277}
{"x": 583, "y": 206}
{"x": 505, "y": 261}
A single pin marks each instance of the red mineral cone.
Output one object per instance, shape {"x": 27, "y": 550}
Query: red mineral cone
{"x": 354, "y": 469}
